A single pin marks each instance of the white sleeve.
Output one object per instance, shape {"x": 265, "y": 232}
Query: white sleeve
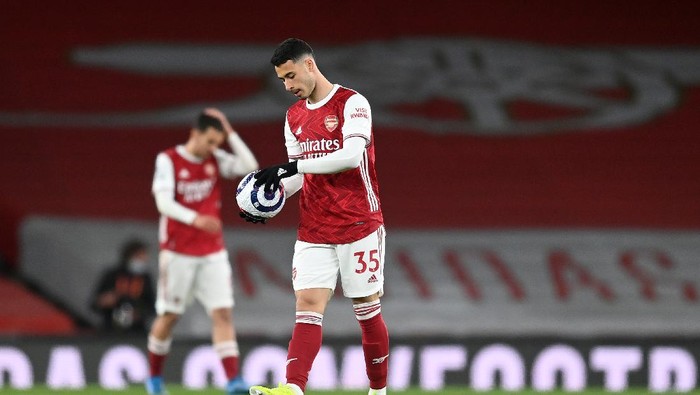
{"x": 164, "y": 192}
{"x": 346, "y": 158}
{"x": 358, "y": 118}
{"x": 294, "y": 151}
{"x": 168, "y": 207}
{"x": 292, "y": 184}
{"x": 164, "y": 176}
{"x": 240, "y": 163}
{"x": 357, "y": 134}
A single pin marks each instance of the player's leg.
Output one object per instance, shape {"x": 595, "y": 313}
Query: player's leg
{"x": 159, "y": 341}
{"x": 314, "y": 275}
{"x": 362, "y": 276}
{"x": 307, "y": 334}
{"x": 375, "y": 341}
{"x": 214, "y": 289}
{"x": 174, "y": 284}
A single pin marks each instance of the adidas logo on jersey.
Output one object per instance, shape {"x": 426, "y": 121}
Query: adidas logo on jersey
{"x": 184, "y": 173}
{"x": 372, "y": 279}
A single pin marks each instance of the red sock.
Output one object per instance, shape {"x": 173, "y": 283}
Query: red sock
{"x": 304, "y": 346}
{"x": 228, "y": 353}
{"x": 158, "y": 350}
{"x": 230, "y": 365}
{"x": 375, "y": 342}
{"x": 156, "y": 363}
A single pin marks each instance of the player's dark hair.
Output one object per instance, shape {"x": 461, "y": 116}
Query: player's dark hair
{"x": 292, "y": 49}
{"x": 205, "y": 121}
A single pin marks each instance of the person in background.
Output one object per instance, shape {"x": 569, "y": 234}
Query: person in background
{"x": 124, "y": 295}
{"x": 193, "y": 261}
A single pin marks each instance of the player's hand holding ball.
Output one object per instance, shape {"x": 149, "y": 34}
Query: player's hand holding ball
{"x": 271, "y": 176}
{"x": 257, "y": 204}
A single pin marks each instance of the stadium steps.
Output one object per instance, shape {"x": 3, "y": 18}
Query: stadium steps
{"x": 29, "y": 313}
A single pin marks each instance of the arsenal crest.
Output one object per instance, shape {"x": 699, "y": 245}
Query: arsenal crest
{"x": 331, "y": 122}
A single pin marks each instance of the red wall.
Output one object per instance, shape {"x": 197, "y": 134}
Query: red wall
{"x": 642, "y": 176}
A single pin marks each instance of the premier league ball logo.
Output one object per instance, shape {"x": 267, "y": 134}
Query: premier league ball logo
{"x": 254, "y": 201}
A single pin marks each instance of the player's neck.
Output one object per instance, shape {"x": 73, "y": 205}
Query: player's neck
{"x": 323, "y": 89}
{"x": 190, "y": 149}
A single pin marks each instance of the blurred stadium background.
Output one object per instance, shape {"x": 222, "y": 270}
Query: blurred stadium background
{"x": 539, "y": 165}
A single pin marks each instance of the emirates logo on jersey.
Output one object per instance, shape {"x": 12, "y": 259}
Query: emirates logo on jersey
{"x": 195, "y": 191}
{"x": 331, "y": 122}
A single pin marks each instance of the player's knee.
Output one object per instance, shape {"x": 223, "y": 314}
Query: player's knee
{"x": 366, "y": 299}
{"x": 311, "y": 301}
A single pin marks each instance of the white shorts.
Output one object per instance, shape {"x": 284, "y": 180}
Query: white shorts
{"x": 182, "y": 278}
{"x": 360, "y": 265}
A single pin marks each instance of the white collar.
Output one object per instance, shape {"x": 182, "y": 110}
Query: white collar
{"x": 182, "y": 151}
{"x": 323, "y": 101}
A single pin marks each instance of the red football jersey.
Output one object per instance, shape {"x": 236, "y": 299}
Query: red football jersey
{"x": 198, "y": 187}
{"x": 343, "y": 207}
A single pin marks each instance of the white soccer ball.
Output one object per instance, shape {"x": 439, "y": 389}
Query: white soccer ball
{"x": 254, "y": 201}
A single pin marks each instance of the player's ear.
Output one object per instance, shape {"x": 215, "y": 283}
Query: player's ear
{"x": 309, "y": 63}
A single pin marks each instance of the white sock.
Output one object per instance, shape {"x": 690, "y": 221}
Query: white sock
{"x": 159, "y": 347}
{"x": 377, "y": 392}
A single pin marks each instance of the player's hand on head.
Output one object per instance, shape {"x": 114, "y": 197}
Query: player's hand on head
{"x": 216, "y": 113}
{"x": 271, "y": 176}
{"x": 207, "y": 223}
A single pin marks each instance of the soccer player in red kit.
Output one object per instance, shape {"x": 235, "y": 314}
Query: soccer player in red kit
{"x": 193, "y": 261}
{"x": 330, "y": 146}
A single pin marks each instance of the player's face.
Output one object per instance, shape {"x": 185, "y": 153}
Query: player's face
{"x": 297, "y": 77}
{"x": 205, "y": 143}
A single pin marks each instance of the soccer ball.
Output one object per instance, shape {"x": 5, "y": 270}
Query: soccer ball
{"x": 254, "y": 201}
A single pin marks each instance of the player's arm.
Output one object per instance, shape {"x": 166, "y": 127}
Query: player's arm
{"x": 346, "y": 158}
{"x": 242, "y": 161}
{"x": 293, "y": 183}
{"x": 357, "y": 129}
{"x": 164, "y": 193}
